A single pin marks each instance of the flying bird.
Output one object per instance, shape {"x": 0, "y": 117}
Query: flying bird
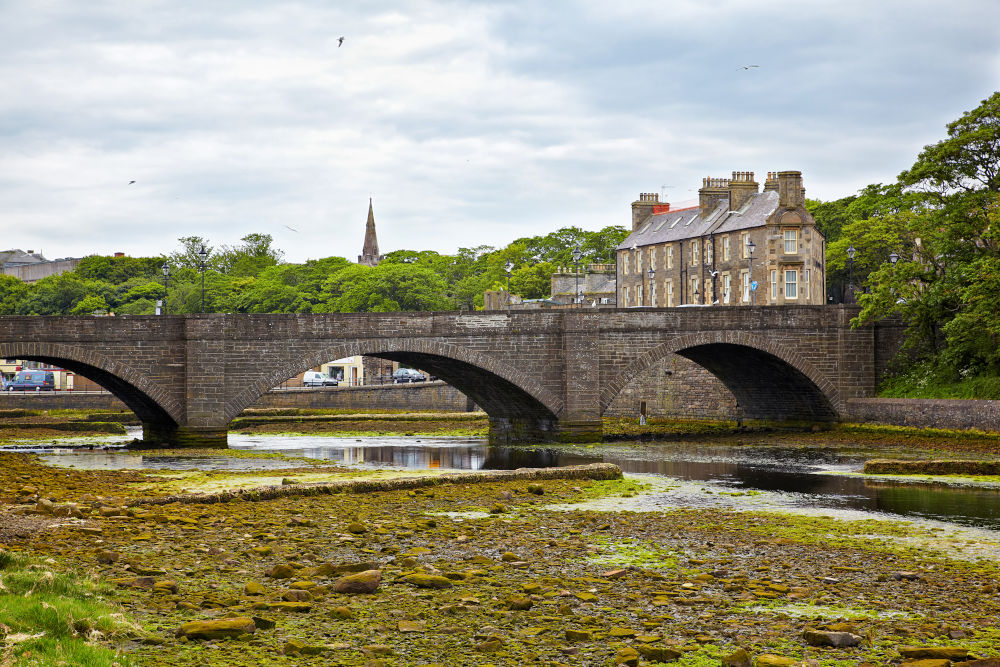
{"x": 294, "y": 230}
{"x": 746, "y": 67}
{"x": 131, "y": 182}
{"x": 340, "y": 42}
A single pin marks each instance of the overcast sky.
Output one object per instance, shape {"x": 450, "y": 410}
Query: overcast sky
{"x": 468, "y": 123}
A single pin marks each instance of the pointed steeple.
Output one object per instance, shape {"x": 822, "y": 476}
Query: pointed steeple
{"x": 369, "y": 252}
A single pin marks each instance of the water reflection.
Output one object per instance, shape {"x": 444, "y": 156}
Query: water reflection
{"x": 792, "y": 477}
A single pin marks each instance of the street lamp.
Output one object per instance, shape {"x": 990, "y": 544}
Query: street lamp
{"x": 893, "y": 258}
{"x": 166, "y": 279}
{"x": 202, "y": 255}
{"x": 751, "y": 246}
{"x": 577, "y": 254}
{"x": 507, "y": 267}
{"x": 651, "y": 273}
{"x": 850, "y": 264}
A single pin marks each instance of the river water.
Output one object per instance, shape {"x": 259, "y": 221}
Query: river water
{"x": 813, "y": 479}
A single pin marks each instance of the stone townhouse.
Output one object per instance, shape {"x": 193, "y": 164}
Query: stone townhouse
{"x": 714, "y": 253}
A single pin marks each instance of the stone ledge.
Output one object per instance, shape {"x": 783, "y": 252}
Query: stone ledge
{"x": 592, "y": 471}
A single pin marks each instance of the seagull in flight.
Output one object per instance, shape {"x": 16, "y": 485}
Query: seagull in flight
{"x": 340, "y": 42}
{"x": 294, "y": 230}
{"x": 746, "y": 67}
{"x": 131, "y": 182}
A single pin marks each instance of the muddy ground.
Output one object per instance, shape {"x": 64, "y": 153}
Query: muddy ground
{"x": 497, "y": 573}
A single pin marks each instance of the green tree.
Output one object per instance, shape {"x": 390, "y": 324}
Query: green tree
{"x": 12, "y": 291}
{"x": 250, "y": 257}
{"x": 946, "y": 221}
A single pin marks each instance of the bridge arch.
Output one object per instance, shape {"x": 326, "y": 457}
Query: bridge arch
{"x": 768, "y": 380}
{"x": 502, "y": 390}
{"x": 148, "y": 400}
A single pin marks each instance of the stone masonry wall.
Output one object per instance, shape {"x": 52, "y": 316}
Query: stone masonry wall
{"x": 926, "y": 413}
{"x": 687, "y": 392}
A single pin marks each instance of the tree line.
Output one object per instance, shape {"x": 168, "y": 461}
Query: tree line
{"x": 251, "y": 277}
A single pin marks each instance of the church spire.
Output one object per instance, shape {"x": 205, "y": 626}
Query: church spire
{"x": 369, "y": 252}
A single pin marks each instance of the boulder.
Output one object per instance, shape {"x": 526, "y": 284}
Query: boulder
{"x": 627, "y": 656}
{"x": 360, "y": 583}
{"x": 254, "y": 588}
{"x": 218, "y": 628}
{"x": 740, "y": 658}
{"x": 940, "y": 652}
{"x": 658, "y": 653}
{"x": 830, "y": 638}
{"x": 282, "y": 571}
{"x": 771, "y": 660}
{"x": 421, "y": 580}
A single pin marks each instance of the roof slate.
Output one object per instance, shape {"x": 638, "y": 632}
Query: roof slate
{"x": 688, "y": 223}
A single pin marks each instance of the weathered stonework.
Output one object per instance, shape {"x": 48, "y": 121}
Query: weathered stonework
{"x": 539, "y": 375}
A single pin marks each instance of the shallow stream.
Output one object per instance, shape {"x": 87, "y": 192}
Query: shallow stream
{"x": 812, "y": 479}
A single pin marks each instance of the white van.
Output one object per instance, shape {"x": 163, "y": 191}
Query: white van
{"x": 317, "y": 379}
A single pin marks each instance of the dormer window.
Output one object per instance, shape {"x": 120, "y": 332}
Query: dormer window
{"x": 791, "y": 241}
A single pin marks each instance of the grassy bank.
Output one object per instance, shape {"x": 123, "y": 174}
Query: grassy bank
{"x": 56, "y": 618}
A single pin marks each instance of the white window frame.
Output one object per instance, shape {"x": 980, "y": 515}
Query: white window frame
{"x": 624, "y": 297}
{"x": 792, "y": 286}
{"x": 774, "y": 286}
{"x": 694, "y": 252}
{"x": 727, "y": 286}
{"x": 745, "y": 285}
{"x": 638, "y": 261}
{"x": 652, "y": 257}
{"x": 708, "y": 254}
{"x": 669, "y": 291}
{"x": 652, "y": 293}
{"x": 670, "y": 256}
{"x": 638, "y": 295}
{"x": 725, "y": 248}
{"x": 743, "y": 245}
{"x": 694, "y": 288}
{"x": 791, "y": 238}
{"x": 625, "y": 262}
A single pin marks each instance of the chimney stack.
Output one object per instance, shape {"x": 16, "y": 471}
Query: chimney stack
{"x": 742, "y": 186}
{"x": 791, "y": 194}
{"x": 713, "y": 191}
{"x": 771, "y": 184}
{"x": 643, "y": 207}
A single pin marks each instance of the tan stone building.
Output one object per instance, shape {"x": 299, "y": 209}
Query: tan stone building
{"x": 714, "y": 253}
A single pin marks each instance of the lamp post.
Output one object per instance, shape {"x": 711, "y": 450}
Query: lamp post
{"x": 850, "y": 265}
{"x": 577, "y": 254}
{"x": 166, "y": 280}
{"x": 202, "y": 255}
{"x": 751, "y": 246}
{"x": 651, "y": 273}
{"x": 893, "y": 258}
{"x": 507, "y": 267}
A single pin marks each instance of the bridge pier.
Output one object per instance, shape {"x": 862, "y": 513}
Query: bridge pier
{"x": 209, "y": 437}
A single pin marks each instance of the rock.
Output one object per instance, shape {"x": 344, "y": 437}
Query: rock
{"x": 421, "y": 580}
{"x": 941, "y": 652}
{"x": 218, "y": 628}
{"x": 536, "y": 489}
{"x": 929, "y": 662}
{"x": 264, "y": 623}
{"x": 578, "y": 635}
{"x": 614, "y": 574}
{"x": 498, "y": 508}
{"x": 771, "y": 660}
{"x": 829, "y": 638}
{"x": 301, "y": 607}
{"x": 282, "y": 571}
{"x": 165, "y": 586}
{"x": 360, "y": 583}
{"x": 519, "y": 604}
{"x": 627, "y": 656}
{"x": 356, "y": 528}
{"x": 254, "y": 588}
{"x": 297, "y": 647}
{"x": 146, "y": 571}
{"x": 68, "y": 509}
{"x": 740, "y": 658}
{"x": 303, "y": 585}
{"x": 411, "y": 626}
{"x": 905, "y": 576}
{"x": 378, "y": 649}
{"x": 108, "y": 557}
{"x": 982, "y": 662}
{"x": 509, "y": 557}
{"x": 296, "y": 595}
{"x": 490, "y": 645}
{"x": 44, "y": 506}
{"x": 622, "y": 632}
{"x": 341, "y": 612}
{"x": 658, "y": 653}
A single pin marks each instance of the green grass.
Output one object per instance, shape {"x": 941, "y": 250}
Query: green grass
{"x": 929, "y": 381}
{"x": 53, "y": 618}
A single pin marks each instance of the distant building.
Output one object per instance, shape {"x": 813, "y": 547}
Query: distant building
{"x": 369, "y": 252}
{"x": 590, "y": 285}
{"x": 31, "y": 266}
{"x": 717, "y": 252}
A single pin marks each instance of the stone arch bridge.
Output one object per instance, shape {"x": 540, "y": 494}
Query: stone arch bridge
{"x": 539, "y": 375}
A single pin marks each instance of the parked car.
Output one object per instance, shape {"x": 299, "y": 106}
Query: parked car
{"x": 408, "y": 375}
{"x": 317, "y": 379}
{"x": 32, "y": 381}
